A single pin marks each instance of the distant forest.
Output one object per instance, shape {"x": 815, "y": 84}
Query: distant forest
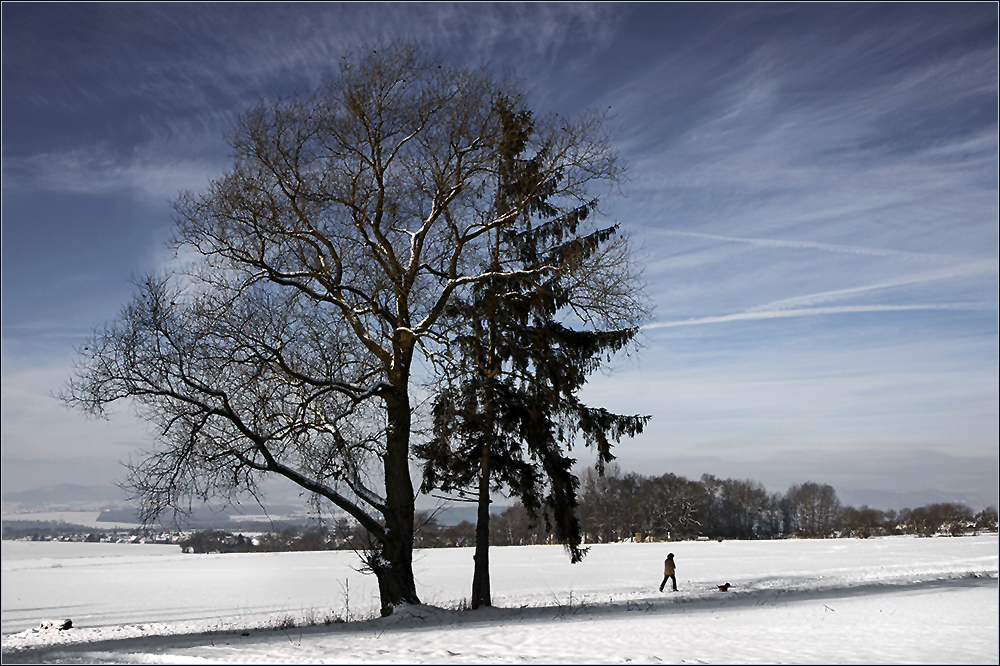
{"x": 625, "y": 506}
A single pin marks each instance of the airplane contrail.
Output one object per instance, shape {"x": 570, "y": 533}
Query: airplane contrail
{"x": 829, "y": 247}
{"x": 808, "y": 312}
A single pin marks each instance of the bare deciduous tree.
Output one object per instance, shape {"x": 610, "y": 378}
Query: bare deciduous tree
{"x": 325, "y": 259}
{"x": 673, "y": 504}
{"x": 815, "y": 508}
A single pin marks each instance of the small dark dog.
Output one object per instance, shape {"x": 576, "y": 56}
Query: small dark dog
{"x": 61, "y": 626}
{"x": 724, "y": 588}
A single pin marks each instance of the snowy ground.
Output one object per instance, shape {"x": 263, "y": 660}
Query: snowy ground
{"x": 802, "y": 601}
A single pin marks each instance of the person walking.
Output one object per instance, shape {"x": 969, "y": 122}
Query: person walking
{"x": 669, "y": 571}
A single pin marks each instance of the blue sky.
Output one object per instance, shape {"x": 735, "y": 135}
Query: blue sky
{"x": 814, "y": 188}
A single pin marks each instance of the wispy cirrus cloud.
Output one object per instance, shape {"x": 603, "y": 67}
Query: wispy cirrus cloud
{"x": 818, "y": 172}
{"x": 96, "y": 172}
{"x": 198, "y": 57}
{"x": 816, "y": 131}
{"x": 166, "y": 82}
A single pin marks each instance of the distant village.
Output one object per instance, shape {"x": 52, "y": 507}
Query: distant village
{"x": 96, "y": 537}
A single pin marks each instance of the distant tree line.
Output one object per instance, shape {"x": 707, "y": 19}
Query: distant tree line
{"x": 626, "y": 506}
{"x": 622, "y": 506}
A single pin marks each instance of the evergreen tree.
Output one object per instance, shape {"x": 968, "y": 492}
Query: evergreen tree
{"x": 511, "y": 411}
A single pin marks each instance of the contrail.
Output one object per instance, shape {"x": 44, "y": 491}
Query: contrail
{"x": 829, "y": 247}
{"x": 964, "y": 270}
{"x": 809, "y": 312}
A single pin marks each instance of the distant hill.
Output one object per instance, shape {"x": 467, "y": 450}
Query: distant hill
{"x": 453, "y": 515}
{"x": 110, "y": 500}
{"x": 886, "y": 499}
{"x": 63, "y": 496}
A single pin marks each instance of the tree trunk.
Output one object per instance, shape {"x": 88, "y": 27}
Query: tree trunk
{"x": 395, "y": 571}
{"x": 481, "y": 575}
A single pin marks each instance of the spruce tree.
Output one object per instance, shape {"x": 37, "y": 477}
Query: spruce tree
{"x": 510, "y": 411}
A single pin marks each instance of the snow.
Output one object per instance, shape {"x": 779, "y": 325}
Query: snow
{"x": 897, "y": 599}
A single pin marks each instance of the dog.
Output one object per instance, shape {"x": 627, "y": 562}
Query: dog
{"x": 60, "y": 626}
{"x": 724, "y": 588}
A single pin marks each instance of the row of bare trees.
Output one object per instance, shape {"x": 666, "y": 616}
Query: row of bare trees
{"x": 620, "y": 505}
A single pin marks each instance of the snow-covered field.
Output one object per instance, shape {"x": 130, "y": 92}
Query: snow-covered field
{"x": 888, "y": 600}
